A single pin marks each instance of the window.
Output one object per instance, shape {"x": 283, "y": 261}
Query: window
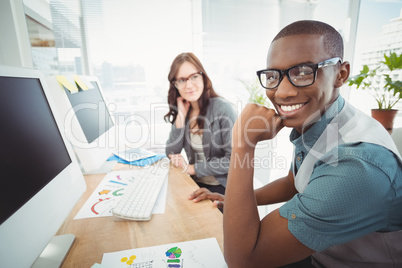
{"x": 130, "y": 45}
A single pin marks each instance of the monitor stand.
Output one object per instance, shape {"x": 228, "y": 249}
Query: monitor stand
{"x": 55, "y": 252}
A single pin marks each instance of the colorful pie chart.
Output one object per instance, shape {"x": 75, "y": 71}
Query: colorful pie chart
{"x": 173, "y": 253}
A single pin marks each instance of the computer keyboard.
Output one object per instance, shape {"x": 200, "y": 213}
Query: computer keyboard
{"x": 140, "y": 195}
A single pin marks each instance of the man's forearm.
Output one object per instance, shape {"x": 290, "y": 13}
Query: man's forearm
{"x": 240, "y": 211}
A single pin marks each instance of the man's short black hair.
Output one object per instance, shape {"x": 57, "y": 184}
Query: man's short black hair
{"x": 333, "y": 42}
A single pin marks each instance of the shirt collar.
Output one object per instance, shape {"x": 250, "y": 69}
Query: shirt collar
{"x": 308, "y": 139}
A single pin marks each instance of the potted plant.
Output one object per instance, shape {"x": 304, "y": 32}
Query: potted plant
{"x": 256, "y": 94}
{"x": 382, "y": 82}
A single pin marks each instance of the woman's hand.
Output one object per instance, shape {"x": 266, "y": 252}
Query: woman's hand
{"x": 204, "y": 193}
{"x": 182, "y": 106}
{"x": 178, "y": 161}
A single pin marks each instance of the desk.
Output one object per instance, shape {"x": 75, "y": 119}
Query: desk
{"x": 183, "y": 220}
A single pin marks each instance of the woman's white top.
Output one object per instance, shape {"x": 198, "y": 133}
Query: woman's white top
{"x": 196, "y": 145}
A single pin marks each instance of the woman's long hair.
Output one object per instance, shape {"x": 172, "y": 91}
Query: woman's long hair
{"x": 173, "y": 93}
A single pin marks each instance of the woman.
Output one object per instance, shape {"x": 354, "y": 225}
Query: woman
{"x": 201, "y": 124}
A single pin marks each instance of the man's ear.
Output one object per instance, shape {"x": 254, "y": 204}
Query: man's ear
{"x": 343, "y": 75}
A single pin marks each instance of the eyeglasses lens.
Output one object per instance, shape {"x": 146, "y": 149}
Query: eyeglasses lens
{"x": 301, "y": 75}
{"x": 270, "y": 78}
{"x": 194, "y": 78}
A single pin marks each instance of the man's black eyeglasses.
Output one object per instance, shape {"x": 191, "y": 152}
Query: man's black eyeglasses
{"x": 302, "y": 75}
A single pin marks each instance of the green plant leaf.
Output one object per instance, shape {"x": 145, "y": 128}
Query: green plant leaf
{"x": 393, "y": 61}
{"x": 256, "y": 92}
{"x": 386, "y": 95}
{"x": 395, "y": 86}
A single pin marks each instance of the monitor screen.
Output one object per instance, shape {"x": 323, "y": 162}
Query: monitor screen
{"x": 88, "y": 122}
{"x": 33, "y": 152}
{"x": 40, "y": 177}
{"x": 91, "y": 111}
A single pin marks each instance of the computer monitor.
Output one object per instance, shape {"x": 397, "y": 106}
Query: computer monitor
{"x": 88, "y": 123}
{"x": 40, "y": 178}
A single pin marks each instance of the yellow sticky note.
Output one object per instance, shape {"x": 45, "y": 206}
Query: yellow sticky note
{"x": 80, "y": 83}
{"x": 87, "y": 81}
{"x": 65, "y": 83}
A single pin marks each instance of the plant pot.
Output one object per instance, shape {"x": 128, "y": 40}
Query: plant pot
{"x": 385, "y": 117}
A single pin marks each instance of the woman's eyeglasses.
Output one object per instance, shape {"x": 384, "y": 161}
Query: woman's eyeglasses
{"x": 182, "y": 82}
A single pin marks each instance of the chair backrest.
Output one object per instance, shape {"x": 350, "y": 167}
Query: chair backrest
{"x": 397, "y": 137}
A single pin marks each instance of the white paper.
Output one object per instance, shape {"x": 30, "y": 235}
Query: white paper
{"x": 204, "y": 253}
{"x": 108, "y": 193}
{"x": 134, "y": 154}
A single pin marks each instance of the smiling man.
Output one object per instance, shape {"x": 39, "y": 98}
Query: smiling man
{"x": 343, "y": 192}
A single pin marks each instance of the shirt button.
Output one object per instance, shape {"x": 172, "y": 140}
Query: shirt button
{"x": 293, "y": 216}
{"x": 298, "y": 158}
